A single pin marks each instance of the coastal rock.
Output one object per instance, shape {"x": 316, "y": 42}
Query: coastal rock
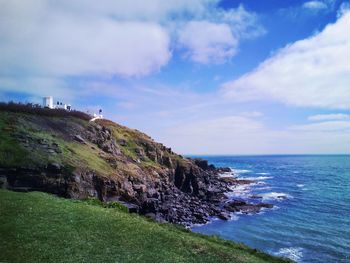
{"x": 120, "y": 164}
{"x": 80, "y": 139}
{"x": 244, "y": 207}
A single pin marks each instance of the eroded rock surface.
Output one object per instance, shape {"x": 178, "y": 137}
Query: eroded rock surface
{"x": 73, "y": 158}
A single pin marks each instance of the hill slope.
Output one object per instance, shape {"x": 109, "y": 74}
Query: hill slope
{"x": 63, "y": 153}
{"x": 37, "y": 227}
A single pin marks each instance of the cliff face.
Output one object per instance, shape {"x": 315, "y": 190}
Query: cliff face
{"x": 74, "y": 158}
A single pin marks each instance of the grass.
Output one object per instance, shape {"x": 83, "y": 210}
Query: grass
{"x": 37, "y": 227}
{"x": 38, "y": 110}
{"x": 133, "y": 141}
{"x": 83, "y": 155}
{"x": 11, "y": 153}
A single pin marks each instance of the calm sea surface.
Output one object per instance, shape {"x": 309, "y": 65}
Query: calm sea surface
{"x": 311, "y": 218}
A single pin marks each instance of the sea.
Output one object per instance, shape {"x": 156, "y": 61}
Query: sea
{"x": 310, "y": 220}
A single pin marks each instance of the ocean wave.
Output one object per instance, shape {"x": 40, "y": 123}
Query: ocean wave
{"x": 293, "y": 253}
{"x": 275, "y": 196}
{"x": 263, "y": 173}
{"x": 258, "y": 178}
{"x": 263, "y": 188}
{"x": 240, "y": 171}
{"x": 234, "y": 217}
{"x": 300, "y": 185}
{"x": 228, "y": 174}
{"x": 241, "y": 191}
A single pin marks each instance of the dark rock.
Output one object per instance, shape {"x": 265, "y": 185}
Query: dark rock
{"x": 78, "y": 138}
{"x": 264, "y": 205}
{"x": 54, "y": 167}
{"x": 201, "y": 163}
{"x": 132, "y": 208}
{"x": 223, "y": 170}
{"x": 167, "y": 161}
{"x": 152, "y": 155}
{"x": 122, "y": 142}
{"x": 51, "y": 151}
{"x": 224, "y": 216}
{"x": 42, "y": 141}
{"x": 246, "y": 208}
{"x": 3, "y": 182}
{"x": 151, "y": 215}
{"x": 140, "y": 188}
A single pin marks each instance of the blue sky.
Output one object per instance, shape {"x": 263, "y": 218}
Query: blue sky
{"x": 201, "y": 76}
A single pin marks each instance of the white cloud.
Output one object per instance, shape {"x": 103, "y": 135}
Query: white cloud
{"x": 208, "y": 42}
{"x": 224, "y": 135}
{"x": 128, "y": 38}
{"x": 326, "y": 126}
{"x": 237, "y": 134}
{"x": 311, "y": 72}
{"x": 60, "y": 40}
{"x": 327, "y": 117}
{"x": 243, "y": 23}
{"x": 44, "y": 40}
{"x": 344, "y": 7}
{"x": 315, "y": 5}
{"x": 215, "y": 38}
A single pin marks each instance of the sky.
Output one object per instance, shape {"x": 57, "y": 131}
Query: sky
{"x": 202, "y": 76}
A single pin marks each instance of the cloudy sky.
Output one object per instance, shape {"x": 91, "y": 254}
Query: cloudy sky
{"x": 201, "y": 76}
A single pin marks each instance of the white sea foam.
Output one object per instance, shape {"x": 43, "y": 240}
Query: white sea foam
{"x": 300, "y": 185}
{"x": 263, "y": 173}
{"x": 293, "y": 253}
{"x": 264, "y": 188}
{"x": 240, "y": 171}
{"x": 228, "y": 174}
{"x": 234, "y": 217}
{"x": 275, "y": 196}
{"x": 239, "y": 191}
{"x": 258, "y": 178}
{"x": 275, "y": 207}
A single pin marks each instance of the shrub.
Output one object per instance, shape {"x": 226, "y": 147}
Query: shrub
{"x": 38, "y": 110}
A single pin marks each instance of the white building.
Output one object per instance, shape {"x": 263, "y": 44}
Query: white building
{"x": 48, "y": 102}
{"x": 61, "y": 105}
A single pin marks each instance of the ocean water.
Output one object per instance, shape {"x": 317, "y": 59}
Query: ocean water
{"x": 310, "y": 221}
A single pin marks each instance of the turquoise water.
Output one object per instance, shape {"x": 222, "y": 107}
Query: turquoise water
{"x": 311, "y": 218}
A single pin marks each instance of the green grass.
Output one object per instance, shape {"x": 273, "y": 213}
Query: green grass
{"x": 11, "y": 153}
{"x": 83, "y": 155}
{"x": 37, "y": 227}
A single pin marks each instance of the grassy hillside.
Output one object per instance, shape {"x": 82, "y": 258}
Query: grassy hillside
{"x": 37, "y": 227}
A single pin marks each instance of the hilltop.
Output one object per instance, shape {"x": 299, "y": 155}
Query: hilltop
{"x": 108, "y": 170}
{"x": 62, "y": 153}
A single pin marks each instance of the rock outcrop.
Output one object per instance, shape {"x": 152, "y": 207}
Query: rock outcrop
{"x": 73, "y": 158}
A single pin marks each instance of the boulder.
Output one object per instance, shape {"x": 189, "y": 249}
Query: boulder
{"x": 80, "y": 139}
{"x": 224, "y": 216}
{"x": 54, "y": 167}
{"x": 201, "y": 163}
{"x": 132, "y": 208}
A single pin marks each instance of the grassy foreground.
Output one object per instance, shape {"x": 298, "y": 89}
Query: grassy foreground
{"x": 37, "y": 227}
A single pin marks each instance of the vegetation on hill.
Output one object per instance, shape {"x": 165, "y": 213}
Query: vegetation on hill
{"x": 115, "y": 169}
{"x": 61, "y": 152}
{"x": 37, "y": 227}
{"x": 38, "y": 110}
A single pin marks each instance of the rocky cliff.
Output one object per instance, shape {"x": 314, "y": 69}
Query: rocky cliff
{"x": 65, "y": 154}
